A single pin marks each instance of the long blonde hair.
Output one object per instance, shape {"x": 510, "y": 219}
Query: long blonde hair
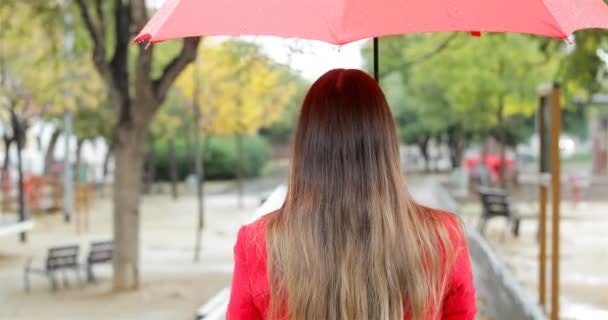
{"x": 349, "y": 243}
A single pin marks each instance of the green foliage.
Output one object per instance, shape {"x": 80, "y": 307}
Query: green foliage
{"x": 519, "y": 128}
{"x": 438, "y": 82}
{"x": 282, "y": 129}
{"x": 90, "y": 123}
{"x": 220, "y": 157}
{"x": 238, "y": 88}
{"x": 576, "y": 121}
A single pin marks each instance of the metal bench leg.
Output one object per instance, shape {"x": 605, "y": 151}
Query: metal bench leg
{"x": 90, "y": 274}
{"x": 515, "y": 223}
{"x": 482, "y": 225}
{"x": 78, "y": 276}
{"x": 53, "y": 280}
{"x": 66, "y": 282}
{"x": 26, "y": 280}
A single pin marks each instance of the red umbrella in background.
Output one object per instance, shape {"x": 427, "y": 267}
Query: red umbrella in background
{"x": 491, "y": 163}
{"x": 343, "y": 21}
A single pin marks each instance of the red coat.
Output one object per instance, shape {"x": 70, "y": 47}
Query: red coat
{"x": 249, "y": 297}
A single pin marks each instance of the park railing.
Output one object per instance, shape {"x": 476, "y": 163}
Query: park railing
{"x": 502, "y": 295}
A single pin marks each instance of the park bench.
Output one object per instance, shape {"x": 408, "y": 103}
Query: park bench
{"x": 59, "y": 259}
{"x": 496, "y": 203}
{"x": 101, "y": 252}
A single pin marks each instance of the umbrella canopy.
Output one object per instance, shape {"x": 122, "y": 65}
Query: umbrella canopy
{"x": 344, "y": 21}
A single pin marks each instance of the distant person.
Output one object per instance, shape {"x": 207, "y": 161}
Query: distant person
{"x": 350, "y": 242}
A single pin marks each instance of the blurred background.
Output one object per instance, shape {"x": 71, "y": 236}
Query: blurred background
{"x": 154, "y": 158}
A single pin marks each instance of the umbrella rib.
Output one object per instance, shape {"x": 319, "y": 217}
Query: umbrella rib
{"x": 157, "y": 21}
{"x": 559, "y": 27}
{"x": 339, "y": 38}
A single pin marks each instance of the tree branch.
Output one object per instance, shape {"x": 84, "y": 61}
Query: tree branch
{"x": 144, "y": 85}
{"x": 119, "y": 62}
{"x": 101, "y": 18}
{"x": 175, "y": 67}
{"x": 437, "y": 50}
{"x": 442, "y": 46}
{"x": 99, "y": 42}
{"x": 139, "y": 14}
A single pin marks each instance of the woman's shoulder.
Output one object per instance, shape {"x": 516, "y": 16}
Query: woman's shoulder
{"x": 254, "y": 230}
{"x": 445, "y": 218}
{"x": 252, "y": 237}
{"x": 447, "y": 223}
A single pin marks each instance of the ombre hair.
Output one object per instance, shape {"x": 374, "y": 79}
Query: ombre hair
{"x": 349, "y": 242}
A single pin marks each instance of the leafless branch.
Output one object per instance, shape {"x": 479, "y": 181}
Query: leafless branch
{"x": 442, "y": 46}
{"x": 437, "y": 50}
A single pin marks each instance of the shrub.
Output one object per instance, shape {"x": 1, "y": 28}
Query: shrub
{"x": 220, "y": 157}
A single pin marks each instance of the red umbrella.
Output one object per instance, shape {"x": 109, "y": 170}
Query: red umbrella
{"x": 344, "y": 21}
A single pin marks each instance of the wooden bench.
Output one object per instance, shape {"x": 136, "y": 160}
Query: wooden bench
{"x": 101, "y": 252}
{"x": 59, "y": 259}
{"x": 496, "y": 203}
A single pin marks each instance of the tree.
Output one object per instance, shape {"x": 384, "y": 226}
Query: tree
{"x": 502, "y": 81}
{"x": 469, "y": 85}
{"x": 31, "y": 38}
{"x": 281, "y": 130}
{"x": 18, "y": 110}
{"x": 135, "y": 92}
{"x": 240, "y": 90}
{"x": 235, "y": 89}
{"x": 25, "y": 83}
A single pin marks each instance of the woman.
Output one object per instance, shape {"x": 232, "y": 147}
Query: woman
{"x": 349, "y": 243}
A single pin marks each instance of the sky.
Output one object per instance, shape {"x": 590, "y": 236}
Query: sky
{"x": 310, "y": 58}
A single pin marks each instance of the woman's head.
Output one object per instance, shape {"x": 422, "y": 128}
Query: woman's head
{"x": 349, "y": 242}
{"x": 345, "y": 139}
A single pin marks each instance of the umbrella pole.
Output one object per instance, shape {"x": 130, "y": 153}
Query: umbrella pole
{"x": 376, "y": 66}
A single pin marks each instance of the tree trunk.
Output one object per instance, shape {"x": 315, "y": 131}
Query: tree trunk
{"x": 22, "y": 208}
{"x": 423, "y": 145}
{"x": 49, "y": 155}
{"x": 3, "y": 180}
{"x": 502, "y": 132}
{"x": 7, "y": 147}
{"x": 130, "y": 150}
{"x": 199, "y": 158}
{"x": 173, "y": 169}
{"x": 106, "y": 159}
{"x": 239, "y": 168}
{"x": 456, "y": 145}
{"x": 199, "y": 149}
{"x": 150, "y": 176}
{"x": 79, "y": 144}
{"x": 19, "y": 135}
{"x": 190, "y": 152}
